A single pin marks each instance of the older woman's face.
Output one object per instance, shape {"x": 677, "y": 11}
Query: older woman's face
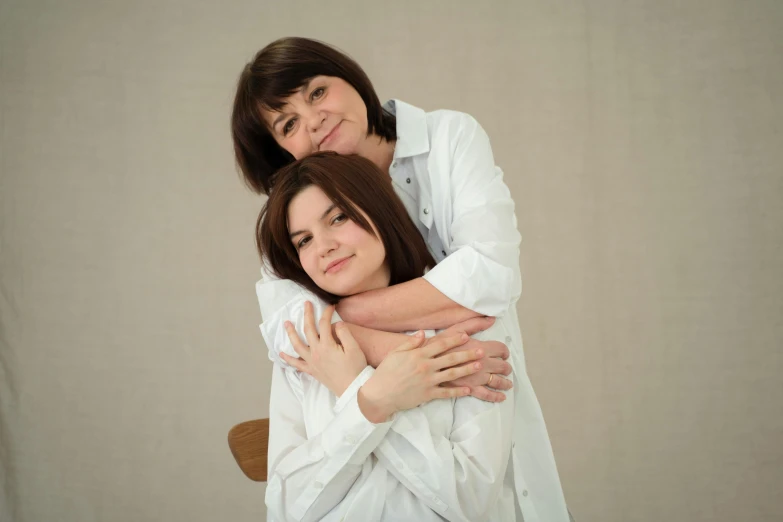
{"x": 325, "y": 114}
{"x": 336, "y": 253}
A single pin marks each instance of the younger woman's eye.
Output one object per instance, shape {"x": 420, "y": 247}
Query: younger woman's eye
{"x": 303, "y": 242}
{"x": 317, "y": 93}
{"x": 339, "y": 218}
{"x": 289, "y": 126}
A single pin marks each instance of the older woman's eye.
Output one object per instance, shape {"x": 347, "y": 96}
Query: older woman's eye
{"x": 317, "y": 93}
{"x": 289, "y": 126}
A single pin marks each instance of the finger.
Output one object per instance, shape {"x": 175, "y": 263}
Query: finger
{"x": 445, "y": 344}
{"x": 453, "y": 359}
{"x": 299, "y": 347}
{"x": 311, "y": 334}
{"x": 497, "y": 366}
{"x": 495, "y": 349}
{"x": 325, "y": 324}
{"x": 450, "y": 392}
{"x": 501, "y": 383}
{"x": 486, "y": 394}
{"x": 414, "y": 341}
{"x": 474, "y": 325}
{"x": 299, "y": 364}
{"x": 457, "y": 372}
{"x": 345, "y": 337}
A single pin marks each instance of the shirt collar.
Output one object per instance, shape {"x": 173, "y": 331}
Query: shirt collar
{"x": 412, "y": 135}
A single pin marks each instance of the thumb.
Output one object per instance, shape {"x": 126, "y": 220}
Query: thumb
{"x": 473, "y": 326}
{"x": 413, "y": 342}
{"x": 345, "y": 337}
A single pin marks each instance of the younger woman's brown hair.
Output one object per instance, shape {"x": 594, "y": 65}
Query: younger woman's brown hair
{"x": 352, "y": 183}
{"x": 276, "y": 72}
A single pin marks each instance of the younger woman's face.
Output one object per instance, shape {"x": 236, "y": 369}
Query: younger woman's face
{"x": 327, "y": 113}
{"x": 338, "y": 255}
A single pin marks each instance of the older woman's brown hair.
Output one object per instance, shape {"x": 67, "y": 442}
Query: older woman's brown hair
{"x": 275, "y": 73}
{"x": 354, "y": 184}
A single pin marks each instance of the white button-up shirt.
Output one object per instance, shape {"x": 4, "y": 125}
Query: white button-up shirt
{"x": 444, "y": 172}
{"x": 446, "y": 459}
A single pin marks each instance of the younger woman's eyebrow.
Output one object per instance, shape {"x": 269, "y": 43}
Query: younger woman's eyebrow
{"x": 326, "y": 213}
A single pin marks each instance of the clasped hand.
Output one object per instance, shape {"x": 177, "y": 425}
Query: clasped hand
{"x": 406, "y": 378}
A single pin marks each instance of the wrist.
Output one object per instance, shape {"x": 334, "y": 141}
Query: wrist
{"x": 352, "y": 310}
{"x": 373, "y": 406}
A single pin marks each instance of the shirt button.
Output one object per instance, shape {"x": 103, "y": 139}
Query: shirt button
{"x": 350, "y": 439}
{"x": 524, "y": 493}
{"x": 394, "y": 164}
{"x": 426, "y": 211}
{"x": 408, "y": 180}
{"x": 443, "y": 252}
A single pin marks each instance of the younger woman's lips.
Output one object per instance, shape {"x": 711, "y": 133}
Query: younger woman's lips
{"x": 337, "y": 265}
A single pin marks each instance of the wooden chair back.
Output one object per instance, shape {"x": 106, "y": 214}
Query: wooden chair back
{"x": 249, "y": 442}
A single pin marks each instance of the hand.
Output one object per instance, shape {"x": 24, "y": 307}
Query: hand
{"x": 494, "y": 363}
{"x": 410, "y": 376}
{"x": 333, "y": 364}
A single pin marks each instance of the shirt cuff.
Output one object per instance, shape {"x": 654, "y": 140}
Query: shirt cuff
{"x": 476, "y": 282}
{"x": 352, "y": 435}
{"x": 353, "y": 389}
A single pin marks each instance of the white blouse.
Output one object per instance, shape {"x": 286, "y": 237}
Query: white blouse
{"x": 446, "y": 459}
{"x": 444, "y": 172}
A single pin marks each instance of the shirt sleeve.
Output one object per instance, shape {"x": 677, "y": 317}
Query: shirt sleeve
{"x": 478, "y": 224}
{"x": 281, "y": 300}
{"x": 308, "y": 477}
{"x": 460, "y": 476}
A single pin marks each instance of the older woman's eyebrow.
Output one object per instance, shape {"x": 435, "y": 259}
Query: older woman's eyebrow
{"x": 326, "y": 213}
{"x": 303, "y": 90}
{"x": 280, "y": 118}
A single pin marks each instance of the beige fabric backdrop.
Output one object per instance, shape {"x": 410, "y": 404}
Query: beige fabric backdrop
{"x": 642, "y": 141}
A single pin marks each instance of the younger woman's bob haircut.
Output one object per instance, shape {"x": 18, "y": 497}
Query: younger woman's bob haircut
{"x": 355, "y": 185}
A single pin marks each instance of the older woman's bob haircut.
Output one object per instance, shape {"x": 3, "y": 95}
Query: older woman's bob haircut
{"x": 353, "y": 184}
{"x": 278, "y": 71}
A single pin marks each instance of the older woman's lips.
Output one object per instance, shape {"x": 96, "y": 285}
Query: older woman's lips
{"x": 330, "y": 136}
{"x": 336, "y": 266}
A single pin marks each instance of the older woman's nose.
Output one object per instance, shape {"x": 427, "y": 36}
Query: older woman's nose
{"x": 315, "y": 119}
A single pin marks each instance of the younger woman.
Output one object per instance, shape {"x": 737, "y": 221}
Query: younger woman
{"x": 348, "y": 442}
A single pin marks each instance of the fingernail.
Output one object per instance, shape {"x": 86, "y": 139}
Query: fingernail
{"x": 479, "y": 352}
{"x": 464, "y": 337}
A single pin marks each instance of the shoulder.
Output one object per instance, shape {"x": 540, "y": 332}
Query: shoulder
{"x": 445, "y": 120}
{"x": 452, "y": 129}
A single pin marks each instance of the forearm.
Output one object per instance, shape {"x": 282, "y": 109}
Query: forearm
{"x": 414, "y": 305}
{"x": 308, "y": 477}
{"x": 375, "y": 344}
